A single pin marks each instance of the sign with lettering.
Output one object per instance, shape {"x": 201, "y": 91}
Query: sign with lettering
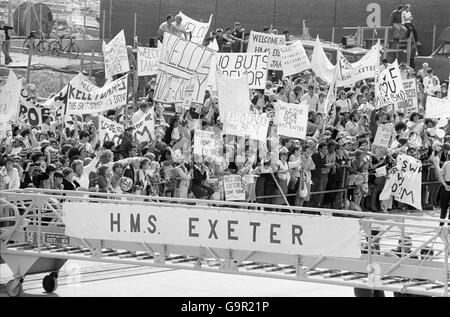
{"x": 389, "y": 87}
{"x": 383, "y": 136}
{"x": 147, "y": 61}
{"x": 31, "y": 112}
{"x": 205, "y": 143}
{"x": 405, "y": 182}
{"x": 234, "y": 189}
{"x": 110, "y": 96}
{"x": 222, "y": 228}
{"x": 251, "y": 125}
{"x": 235, "y": 65}
{"x": 291, "y": 119}
{"x": 410, "y": 104}
{"x": 179, "y": 61}
{"x": 267, "y": 43}
{"x": 110, "y": 131}
{"x": 116, "y": 56}
{"x": 294, "y": 59}
{"x": 198, "y": 29}
{"x": 144, "y": 129}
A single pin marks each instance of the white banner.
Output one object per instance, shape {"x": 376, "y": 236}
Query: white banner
{"x": 9, "y": 103}
{"x": 405, "y": 182}
{"x": 252, "y": 125}
{"x": 233, "y": 187}
{"x": 199, "y": 29}
{"x": 383, "y": 136}
{"x": 256, "y": 231}
{"x": 389, "y": 87}
{"x": 363, "y": 69}
{"x": 31, "y": 112}
{"x": 144, "y": 129}
{"x": 267, "y": 43}
{"x": 110, "y": 96}
{"x": 233, "y": 94}
{"x": 110, "y": 131}
{"x": 294, "y": 59}
{"x": 147, "y": 61}
{"x": 437, "y": 108}
{"x": 205, "y": 143}
{"x": 214, "y": 45}
{"x": 410, "y": 104}
{"x": 320, "y": 63}
{"x": 292, "y": 119}
{"x": 180, "y": 59}
{"x": 116, "y": 56}
{"x": 236, "y": 65}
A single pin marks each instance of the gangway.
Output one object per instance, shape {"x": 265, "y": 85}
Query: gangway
{"x": 41, "y": 229}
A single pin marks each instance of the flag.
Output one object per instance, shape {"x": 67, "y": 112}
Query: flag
{"x": 320, "y": 63}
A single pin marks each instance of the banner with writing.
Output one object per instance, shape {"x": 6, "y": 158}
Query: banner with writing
{"x": 233, "y": 188}
{"x": 389, "y": 87}
{"x": 116, "y": 56}
{"x": 405, "y": 182}
{"x": 110, "y": 96}
{"x": 267, "y": 43}
{"x": 31, "y": 112}
{"x": 179, "y": 60}
{"x": 252, "y": 125}
{"x": 383, "y": 135}
{"x": 205, "y": 143}
{"x": 110, "y": 131}
{"x": 437, "y": 108}
{"x": 233, "y": 94}
{"x": 198, "y": 29}
{"x": 292, "y": 119}
{"x": 294, "y": 59}
{"x": 410, "y": 104}
{"x": 144, "y": 129}
{"x": 147, "y": 61}
{"x": 235, "y": 65}
{"x": 9, "y": 103}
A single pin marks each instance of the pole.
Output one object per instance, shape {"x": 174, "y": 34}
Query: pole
{"x": 103, "y": 25}
{"x": 84, "y": 20}
{"x": 134, "y": 30}
{"x": 281, "y": 191}
{"x": 28, "y": 30}
{"x": 91, "y": 65}
{"x": 333, "y": 31}
{"x": 9, "y": 12}
{"x": 241, "y": 49}
{"x": 40, "y": 20}
{"x": 386, "y": 39}
{"x": 434, "y": 39}
{"x": 110, "y": 17}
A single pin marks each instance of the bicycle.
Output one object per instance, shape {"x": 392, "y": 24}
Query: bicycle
{"x": 41, "y": 47}
{"x": 56, "y": 47}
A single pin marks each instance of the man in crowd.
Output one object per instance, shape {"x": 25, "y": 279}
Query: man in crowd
{"x": 396, "y": 22}
{"x": 407, "y": 19}
{"x": 237, "y": 34}
{"x": 167, "y": 27}
{"x": 179, "y": 29}
{"x": 311, "y": 98}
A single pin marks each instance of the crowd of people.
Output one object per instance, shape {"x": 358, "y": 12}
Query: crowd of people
{"x": 334, "y": 167}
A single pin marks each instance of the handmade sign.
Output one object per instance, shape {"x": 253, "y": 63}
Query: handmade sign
{"x": 389, "y": 87}
{"x": 292, "y": 119}
{"x": 294, "y": 59}
{"x": 116, "y": 56}
{"x": 205, "y": 143}
{"x": 110, "y": 131}
{"x": 233, "y": 188}
{"x": 147, "y": 61}
{"x": 267, "y": 43}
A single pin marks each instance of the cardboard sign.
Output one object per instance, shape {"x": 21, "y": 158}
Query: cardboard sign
{"x": 267, "y": 43}
{"x": 144, "y": 129}
{"x": 294, "y": 59}
{"x": 233, "y": 188}
{"x": 389, "y": 87}
{"x": 205, "y": 143}
{"x": 251, "y": 125}
{"x": 110, "y": 131}
{"x": 31, "y": 112}
{"x": 292, "y": 119}
{"x": 233, "y": 94}
{"x": 383, "y": 136}
{"x": 179, "y": 61}
{"x": 437, "y": 108}
{"x": 116, "y": 56}
{"x": 110, "y": 96}
{"x": 410, "y": 104}
{"x": 147, "y": 61}
{"x": 254, "y": 65}
{"x": 198, "y": 29}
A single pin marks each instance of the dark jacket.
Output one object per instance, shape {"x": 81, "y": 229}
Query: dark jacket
{"x": 68, "y": 185}
{"x": 396, "y": 17}
{"x": 320, "y": 163}
{"x": 6, "y": 29}
{"x": 130, "y": 172}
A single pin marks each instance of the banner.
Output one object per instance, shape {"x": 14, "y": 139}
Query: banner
{"x": 405, "y": 182}
{"x": 110, "y": 96}
{"x": 437, "y": 108}
{"x": 267, "y": 43}
{"x": 236, "y": 229}
{"x": 233, "y": 94}
{"x": 110, "y": 131}
{"x": 9, "y": 103}
{"x": 410, "y": 104}
{"x": 320, "y": 63}
{"x": 147, "y": 61}
{"x": 251, "y": 125}
{"x": 116, "y": 56}
{"x": 214, "y": 45}
{"x": 233, "y": 188}
{"x": 389, "y": 87}
{"x": 294, "y": 59}
{"x": 383, "y": 135}
{"x": 144, "y": 129}
{"x": 180, "y": 59}
{"x": 31, "y": 112}
{"x": 205, "y": 143}
{"x": 292, "y": 119}
{"x": 57, "y": 103}
{"x": 235, "y": 65}
{"x": 363, "y": 69}
{"x": 198, "y": 29}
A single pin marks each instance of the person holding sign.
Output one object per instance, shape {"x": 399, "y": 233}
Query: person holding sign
{"x": 199, "y": 190}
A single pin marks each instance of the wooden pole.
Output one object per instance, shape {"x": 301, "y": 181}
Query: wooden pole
{"x": 434, "y": 39}
{"x": 333, "y": 30}
{"x": 30, "y": 49}
{"x": 110, "y": 17}
{"x": 84, "y": 20}
{"x": 281, "y": 191}
{"x": 91, "y": 65}
{"x": 103, "y": 25}
{"x": 134, "y": 31}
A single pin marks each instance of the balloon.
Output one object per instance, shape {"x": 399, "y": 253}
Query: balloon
{"x": 440, "y": 133}
{"x": 442, "y": 123}
{"x": 126, "y": 183}
{"x": 432, "y": 131}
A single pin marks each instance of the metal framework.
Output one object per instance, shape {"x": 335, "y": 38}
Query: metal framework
{"x": 402, "y": 254}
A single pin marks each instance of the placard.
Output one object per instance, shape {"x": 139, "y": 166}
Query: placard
{"x": 251, "y": 125}
{"x": 383, "y": 135}
{"x": 116, "y": 56}
{"x": 294, "y": 59}
{"x": 410, "y": 104}
{"x": 144, "y": 129}
{"x": 147, "y": 61}
{"x": 389, "y": 87}
{"x": 267, "y": 43}
{"x": 199, "y": 29}
{"x": 205, "y": 143}
{"x": 437, "y": 108}
{"x": 110, "y": 131}
{"x": 234, "y": 190}
{"x": 292, "y": 119}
